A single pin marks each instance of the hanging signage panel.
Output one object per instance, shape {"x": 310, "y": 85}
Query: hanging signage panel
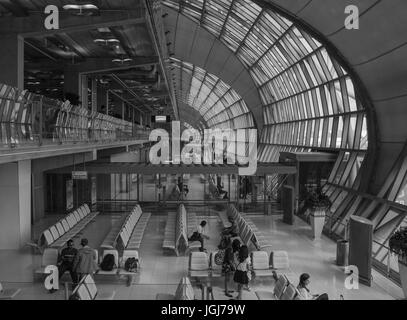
{"x": 79, "y": 175}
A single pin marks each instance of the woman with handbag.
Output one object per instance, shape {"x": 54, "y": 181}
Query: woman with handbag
{"x": 229, "y": 263}
{"x": 242, "y": 269}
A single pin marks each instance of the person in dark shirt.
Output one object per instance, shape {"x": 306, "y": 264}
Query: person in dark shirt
{"x": 230, "y": 263}
{"x": 65, "y": 261}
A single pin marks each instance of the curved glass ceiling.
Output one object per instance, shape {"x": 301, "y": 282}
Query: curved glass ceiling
{"x": 309, "y": 99}
{"x": 219, "y": 105}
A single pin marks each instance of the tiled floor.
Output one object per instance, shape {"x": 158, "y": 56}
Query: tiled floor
{"x": 161, "y": 273}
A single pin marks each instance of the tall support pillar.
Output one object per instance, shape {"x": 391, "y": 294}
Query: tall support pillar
{"x": 15, "y": 205}
{"x": 107, "y": 102}
{"x": 71, "y": 81}
{"x": 38, "y": 191}
{"x": 101, "y": 99}
{"x": 94, "y": 95}
{"x": 12, "y": 60}
{"x": 84, "y": 91}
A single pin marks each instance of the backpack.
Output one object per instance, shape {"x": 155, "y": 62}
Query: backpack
{"x": 107, "y": 262}
{"x": 131, "y": 264}
{"x": 219, "y": 257}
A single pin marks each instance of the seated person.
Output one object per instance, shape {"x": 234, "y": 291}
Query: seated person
{"x": 221, "y": 191}
{"x": 65, "y": 262}
{"x": 199, "y": 235}
{"x": 233, "y": 230}
{"x": 303, "y": 291}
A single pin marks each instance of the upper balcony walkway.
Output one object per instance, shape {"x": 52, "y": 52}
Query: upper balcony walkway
{"x": 33, "y": 126}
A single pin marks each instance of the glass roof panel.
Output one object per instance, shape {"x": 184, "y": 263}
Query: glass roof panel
{"x": 298, "y": 79}
{"x": 216, "y": 101}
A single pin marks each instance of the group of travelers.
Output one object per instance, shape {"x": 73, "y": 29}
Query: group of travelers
{"x": 237, "y": 266}
{"x": 79, "y": 263}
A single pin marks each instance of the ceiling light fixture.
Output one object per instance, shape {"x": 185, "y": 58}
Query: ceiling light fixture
{"x": 82, "y": 8}
{"x": 106, "y": 42}
{"x": 122, "y": 60}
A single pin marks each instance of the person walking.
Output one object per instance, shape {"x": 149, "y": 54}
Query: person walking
{"x": 230, "y": 263}
{"x": 85, "y": 262}
{"x": 243, "y": 267}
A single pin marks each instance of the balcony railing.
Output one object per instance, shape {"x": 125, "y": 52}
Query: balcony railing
{"x": 30, "y": 120}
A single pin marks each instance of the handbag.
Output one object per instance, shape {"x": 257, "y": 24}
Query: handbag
{"x": 250, "y": 275}
{"x": 219, "y": 257}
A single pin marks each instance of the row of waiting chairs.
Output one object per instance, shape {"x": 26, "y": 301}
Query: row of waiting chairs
{"x": 110, "y": 240}
{"x": 184, "y": 291}
{"x": 133, "y": 232}
{"x": 87, "y": 290}
{"x": 283, "y": 290}
{"x": 50, "y": 258}
{"x": 67, "y": 228}
{"x": 248, "y": 230}
{"x": 201, "y": 264}
{"x": 169, "y": 237}
{"x": 128, "y": 233}
{"x": 176, "y": 231}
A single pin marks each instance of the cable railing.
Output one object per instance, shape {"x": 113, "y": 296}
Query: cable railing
{"x": 31, "y": 120}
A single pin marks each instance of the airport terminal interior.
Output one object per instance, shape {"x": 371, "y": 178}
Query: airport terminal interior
{"x": 92, "y": 93}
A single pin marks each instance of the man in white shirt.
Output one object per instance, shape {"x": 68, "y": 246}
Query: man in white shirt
{"x": 199, "y": 235}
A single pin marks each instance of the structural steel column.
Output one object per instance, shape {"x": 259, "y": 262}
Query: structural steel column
{"x": 15, "y": 205}
{"x": 94, "y": 95}
{"x": 12, "y": 60}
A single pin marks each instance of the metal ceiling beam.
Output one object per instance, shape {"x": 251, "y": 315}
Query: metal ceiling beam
{"x": 118, "y": 167}
{"x": 40, "y": 51}
{"x": 125, "y": 86}
{"x": 95, "y": 65}
{"x": 125, "y": 100}
{"x": 156, "y": 40}
{"x": 88, "y": 66}
{"x": 73, "y": 45}
{"x": 33, "y": 25}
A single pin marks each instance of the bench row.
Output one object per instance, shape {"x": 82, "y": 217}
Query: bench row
{"x": 283, "y": 290}
{"x": 133, "y": 233}
{"x": 67, "y": 228}
{"x": 247, "y": 229}
{"x": 50, "y": 258}
{"x": 87, "y": 290}
{"x": 201, "y": 264}
{"x": 184, "y": 291}
{"x": 177, "y": 229}
{"x": 127, "y": 233}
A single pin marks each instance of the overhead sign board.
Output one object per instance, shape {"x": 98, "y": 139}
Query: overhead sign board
{"x": 79, "y": 175}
